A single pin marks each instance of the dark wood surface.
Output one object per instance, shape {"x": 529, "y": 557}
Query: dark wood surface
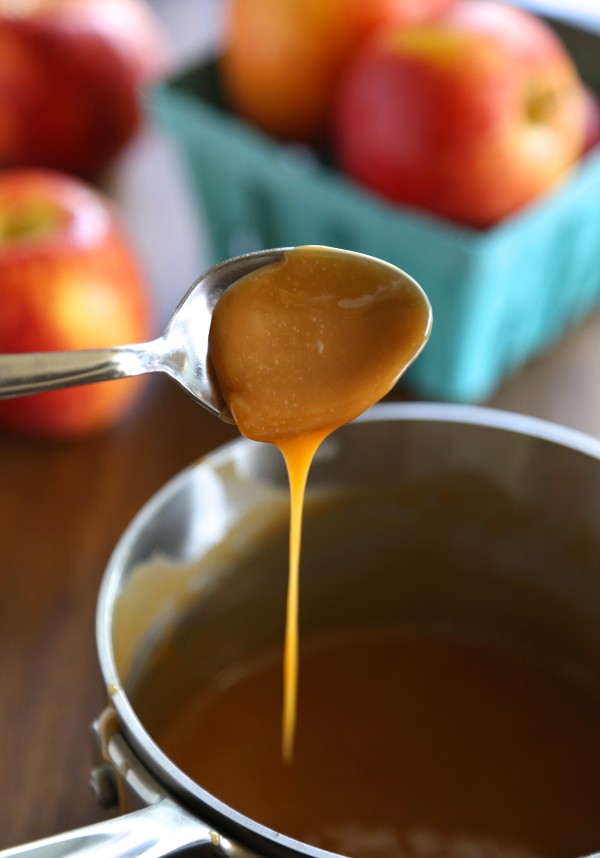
{"x": 64, "y": 505}
{"x": 62, "y": 508}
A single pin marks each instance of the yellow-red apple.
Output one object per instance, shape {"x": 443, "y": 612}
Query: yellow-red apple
{"x": 282, "y": 58}
{"x": 470, "y": 117}
{"x": 70, "y": 79}
{"x": 69, "y": 279}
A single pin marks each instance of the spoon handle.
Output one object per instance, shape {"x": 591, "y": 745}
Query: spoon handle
{"x": 22, "y": 374}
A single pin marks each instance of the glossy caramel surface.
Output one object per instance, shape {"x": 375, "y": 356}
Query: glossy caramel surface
{"x": 308, "y": 343}
{"x": 407, "y": 745}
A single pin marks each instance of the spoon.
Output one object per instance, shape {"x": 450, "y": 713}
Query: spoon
{"x": 181, "y": 351}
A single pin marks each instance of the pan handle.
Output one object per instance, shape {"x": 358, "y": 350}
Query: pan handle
{"x": 160, "y": 828}
{"x": 151, "y": 832}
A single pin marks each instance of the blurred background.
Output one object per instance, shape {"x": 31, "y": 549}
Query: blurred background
{"x": 150, "y": 176}
{"x": 554, "y": 378}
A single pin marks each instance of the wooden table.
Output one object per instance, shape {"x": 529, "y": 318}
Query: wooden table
{"x": 63, "y": 507}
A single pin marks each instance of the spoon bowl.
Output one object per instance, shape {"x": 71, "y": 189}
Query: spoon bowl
{"x": 185, "y": 340}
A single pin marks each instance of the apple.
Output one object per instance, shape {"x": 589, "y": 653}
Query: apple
{"x": 470, "y": 117}
{"x": 281, "y": 59}
{"x": 592, "y": 121}
{"x": 70, "y": 80}
{"x": 69, "y": 279}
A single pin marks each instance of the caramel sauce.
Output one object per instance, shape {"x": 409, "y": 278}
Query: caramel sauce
{"x": 408, "y": 746}
{"x": 299, "y": 348}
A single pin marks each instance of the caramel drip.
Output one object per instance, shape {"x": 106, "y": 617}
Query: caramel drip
{"x": 298, "y": 454}
{"x": 301, "y": 347}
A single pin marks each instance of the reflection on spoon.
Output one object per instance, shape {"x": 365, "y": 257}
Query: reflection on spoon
{"x": 299, "y": 348}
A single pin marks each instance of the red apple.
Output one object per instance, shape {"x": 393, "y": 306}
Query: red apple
{"x": 282, "y": 58}
{"x": 69, "y": 279}
{"x": 470, "y": 117}
{"x": 70, "y": 75}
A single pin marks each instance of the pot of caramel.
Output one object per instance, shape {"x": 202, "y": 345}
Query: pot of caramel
{"x": 449, "y": 684}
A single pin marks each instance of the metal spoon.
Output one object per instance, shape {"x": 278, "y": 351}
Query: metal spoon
{"x": 181, "y": 352}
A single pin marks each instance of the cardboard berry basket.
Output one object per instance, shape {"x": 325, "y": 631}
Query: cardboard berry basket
{"x": 499, "y": 296}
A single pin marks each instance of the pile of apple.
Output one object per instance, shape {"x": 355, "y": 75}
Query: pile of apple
{"x": 71, "y": 73}
{"x": 467, "y": 109}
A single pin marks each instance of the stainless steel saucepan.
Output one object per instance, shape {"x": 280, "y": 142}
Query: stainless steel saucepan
{"x": 172, "y": 577}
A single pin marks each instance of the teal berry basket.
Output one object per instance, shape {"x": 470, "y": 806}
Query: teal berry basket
{"x": 499, "y": 296}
